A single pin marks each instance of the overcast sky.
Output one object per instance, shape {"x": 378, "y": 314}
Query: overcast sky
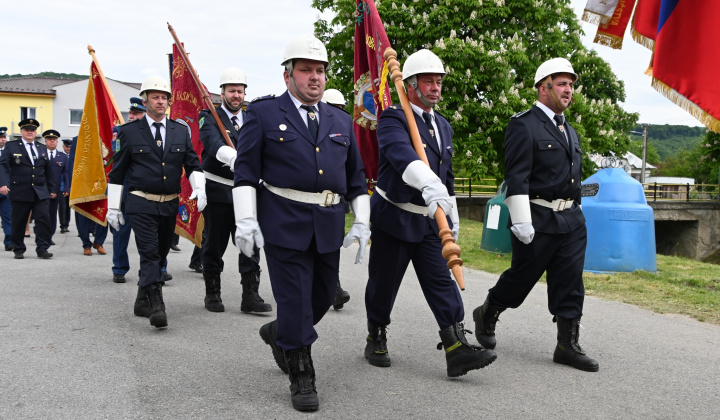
{"x": 132, "y": 41}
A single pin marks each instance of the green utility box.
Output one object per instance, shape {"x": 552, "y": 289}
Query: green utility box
{"x": 496, "y": 235}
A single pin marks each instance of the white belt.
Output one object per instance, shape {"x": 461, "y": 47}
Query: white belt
{"x": 412, "y": 208}
{"x": 557, "y": 205}
{"x": 161, "y": 198}
{"x": 219, "y": 179}
{"x": 323, "y": 199}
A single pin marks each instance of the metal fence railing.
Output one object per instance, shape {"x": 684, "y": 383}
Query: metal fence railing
{"x": 476, "y": 187}
{"x": 654, "y": 191}
{"x": 680, "y": 192}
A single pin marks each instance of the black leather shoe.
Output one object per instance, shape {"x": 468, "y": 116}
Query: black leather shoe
{"x": 19, "y": 256}
{"x": 196, "y": 268}
{"x": 45, "y": 255}
{"x": 9, "y": 248}
{"x": 52, "y": 242}
{"x": 167, "y": 277}
{"x": 64, "y": 230}
{"x": 341, "y": 297}
{"x": 118, "y": 278}
{"x": 175, "y": 248}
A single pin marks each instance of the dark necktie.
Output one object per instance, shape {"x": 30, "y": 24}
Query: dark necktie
{"x": 52, "y": 155}
{"x": 312, "y": 121}
{"x": 428, "y": 122}
{"x": 32, "y": 152}
{"x": 560, "y": 121}
{"x": 158, "y": 136}
{"x": 235, "y": 123}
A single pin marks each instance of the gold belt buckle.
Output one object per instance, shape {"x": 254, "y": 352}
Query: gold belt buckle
{"x": 329, "y": 198}
{"x": 562, "y": 205}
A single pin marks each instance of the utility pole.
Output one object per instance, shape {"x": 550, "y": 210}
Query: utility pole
{"x": 644, "y": 156}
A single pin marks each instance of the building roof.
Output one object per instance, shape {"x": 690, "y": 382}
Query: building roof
{"x": 46, "y": 85}
{"x": 33, "y": 84}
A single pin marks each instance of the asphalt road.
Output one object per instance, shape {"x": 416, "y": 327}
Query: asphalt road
{"x": 71, "y": 348}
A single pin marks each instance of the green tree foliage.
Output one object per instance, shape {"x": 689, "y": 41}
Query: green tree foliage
{"x": 491, "y": 49}
{"x": 670, "y": 139}
{"x": 651, "y": 156}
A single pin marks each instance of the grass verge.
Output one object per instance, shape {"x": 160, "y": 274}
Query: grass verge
{"x": 680, "y": 286}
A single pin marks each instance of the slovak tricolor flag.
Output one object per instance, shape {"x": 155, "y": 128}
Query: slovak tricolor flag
{"x": 687, "y": 57}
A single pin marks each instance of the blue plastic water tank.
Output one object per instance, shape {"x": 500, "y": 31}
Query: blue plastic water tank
{"x": 620, "y": 224}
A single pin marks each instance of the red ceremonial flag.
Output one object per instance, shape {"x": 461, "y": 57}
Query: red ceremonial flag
{"x": 93, "y": 153}
{"x": 687, "y": 56}
{"x": 186, "y": 105}
{"x": 612, "y": 33}
{"x": 644, "y": 27}
{"x": 372, "y": 93}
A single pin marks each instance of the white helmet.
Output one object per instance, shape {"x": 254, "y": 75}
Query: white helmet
{"x": 156, "y": 83}
{"x": 554, "y": 66}
{"x": 232, "y": 76}
{"x": 423, "y": 61}
{"x": 307, "y": 47}
{"x": 333, "y": 97}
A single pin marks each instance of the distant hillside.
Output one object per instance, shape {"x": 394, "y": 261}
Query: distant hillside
{"x": 669, "y": 139}
{"x": 46, "y": 74}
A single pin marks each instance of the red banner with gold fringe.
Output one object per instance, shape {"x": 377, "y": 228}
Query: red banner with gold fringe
{"x": 186, "y": 105}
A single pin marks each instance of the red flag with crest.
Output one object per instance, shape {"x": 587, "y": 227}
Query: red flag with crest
{"x": 186, "y": 105}
{"x": 372, "y": 93}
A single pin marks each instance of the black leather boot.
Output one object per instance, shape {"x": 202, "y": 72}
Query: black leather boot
{"x": 158, "y": 317}
{"x": 142, "y": 303}
{"x": 485, "y": 317}
{"x": 376, "y": 347}
{"x": 213, "y": 302}
{"x": 568, "y": 350}
{"x": 251, "y": 300}
{"x": 461, "y": 356}
{"x": 302, "y": 379}
{"x": 341, "y": 297}
{"x": 268, "y": 333}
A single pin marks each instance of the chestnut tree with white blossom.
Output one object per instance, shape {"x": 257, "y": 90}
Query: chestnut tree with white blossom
{"x": 491, "y": 49}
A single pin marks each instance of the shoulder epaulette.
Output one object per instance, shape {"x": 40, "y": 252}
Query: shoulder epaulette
{"x": 132, "y": 122}
{"x": 395, "y": 106}
{"x": 262, "y": 98}
{"x": 520, "y": 114}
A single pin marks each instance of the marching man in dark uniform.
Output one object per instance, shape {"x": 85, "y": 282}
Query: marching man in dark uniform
{"x": 64, "y": 201}
{"x": 5, "y": 206}
{"x": 403, "y": 226}
{"x": 149, "y": 165}
{"x": 25, "y": 171}
{"x": 305, "y": 152}
{"x": 335, "y": 98}
{"x": 59, "y": 165}
{"x": 543, "y": 163}
{"x": 217, "y": 161}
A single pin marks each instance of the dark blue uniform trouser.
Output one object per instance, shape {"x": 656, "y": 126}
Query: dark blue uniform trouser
{"x": 562, "y": 256}
{"x": 84, "y": 225}
{"x": 121, "y": 240}
{"x": 53, "y": 204}
{"x": 21, "y": 213}
{"x": 64, "y": 211}
{"x": 219, "y": 224}
{"x": 153, "y": 237}
{"x": 6, "y": 216}
{"x": 303, "y": 284}
{"x": 389, "y": 259}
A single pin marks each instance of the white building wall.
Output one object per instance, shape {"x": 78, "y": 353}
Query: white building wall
{"x": 72, "y": 96}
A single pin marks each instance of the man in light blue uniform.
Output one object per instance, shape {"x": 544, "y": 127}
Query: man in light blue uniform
{"x": 305, "y": 152}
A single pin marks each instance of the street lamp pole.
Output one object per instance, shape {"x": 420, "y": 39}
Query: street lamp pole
{"x": 644, "y": 156}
